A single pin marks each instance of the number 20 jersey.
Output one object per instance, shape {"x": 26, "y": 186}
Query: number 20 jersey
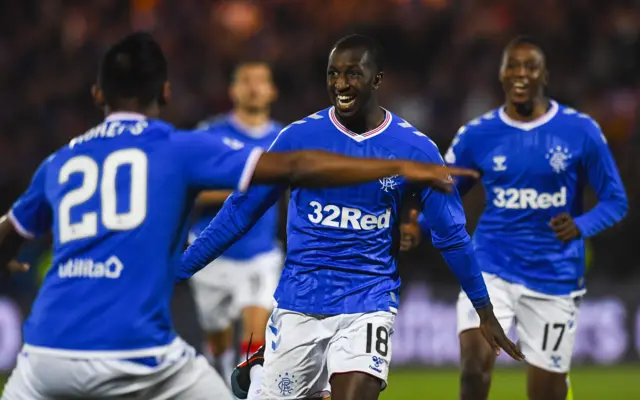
{"x": 532, "y": 172}
{"x": 117, "y": 200}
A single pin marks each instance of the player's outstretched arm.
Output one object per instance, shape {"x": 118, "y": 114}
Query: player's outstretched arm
{"x": 323, "y": 169}
{"x": 237, "y": 216}
{"x": 444, "y": 218}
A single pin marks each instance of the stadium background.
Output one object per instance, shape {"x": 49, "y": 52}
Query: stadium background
{"x": 442, "y": 65}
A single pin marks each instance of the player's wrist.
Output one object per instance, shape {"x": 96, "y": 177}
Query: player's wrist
{"x": 485, "y": 313}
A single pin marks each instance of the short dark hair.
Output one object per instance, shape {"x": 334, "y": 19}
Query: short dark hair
{"x": 246, "y": 63}
{"x": 363, "y": 42}
{"x": 524, "y": 39}
{"x": 135, "y": 67}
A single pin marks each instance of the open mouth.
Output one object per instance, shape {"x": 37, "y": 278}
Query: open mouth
{"x": 343, "y": 101}
{"x": 520, "y": 88}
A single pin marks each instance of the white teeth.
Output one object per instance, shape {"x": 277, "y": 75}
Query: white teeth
{"x": 345, "y": 101}
{"x": 519, "y": 85}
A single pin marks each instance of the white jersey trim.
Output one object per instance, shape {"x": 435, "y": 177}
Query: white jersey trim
{"x": 527, "y": 126}
{"x": 364, "y": 136}
{"x": 249, "y": 168}
{"x": 125, "y": 116}
{"x": 19, "y": 227}
{"x": 118, "y": 354}
{"x": 254, "y": 132}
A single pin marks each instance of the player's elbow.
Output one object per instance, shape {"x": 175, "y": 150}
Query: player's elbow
{"x": 621, "y": 203}
{"x": 454, "y": 238}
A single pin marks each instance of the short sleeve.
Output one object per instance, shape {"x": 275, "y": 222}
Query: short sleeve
{"x": 31, "y": 214}
{"x": 217, "y": 161}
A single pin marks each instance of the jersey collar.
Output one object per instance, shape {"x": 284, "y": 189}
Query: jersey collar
{"x": 527, "y": 126}
{"x": 255, "y": 132}
{"x": 364, "y": 136}
{"x": 124, "y": 116}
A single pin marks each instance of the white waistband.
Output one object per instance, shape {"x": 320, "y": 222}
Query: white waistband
{"x": 158, "y": 351}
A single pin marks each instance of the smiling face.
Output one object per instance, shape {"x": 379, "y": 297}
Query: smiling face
{"x": 352, "y": 78}
{"x": 523, "y": 73}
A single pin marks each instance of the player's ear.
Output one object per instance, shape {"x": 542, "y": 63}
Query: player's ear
{"x": 98, "y": 96}
{"x": 166, "y": 94}
{"x": 274, "y": 93}
{"x": 377, "y": 80}
{"x": 545, "y": 77}
{"x": 231, "y": 92}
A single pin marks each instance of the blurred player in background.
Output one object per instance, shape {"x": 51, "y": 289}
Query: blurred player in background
{"x": 241, "y": 282}
{"x": 116, "y": 199}
{"x": 339, "y": 290}
{"x": 535, "y": 156}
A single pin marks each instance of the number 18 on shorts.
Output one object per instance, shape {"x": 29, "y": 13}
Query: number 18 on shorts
{"x": 303, "y": 351}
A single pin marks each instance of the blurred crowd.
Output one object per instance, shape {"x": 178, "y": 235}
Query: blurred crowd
{"x": 442, "y": 62}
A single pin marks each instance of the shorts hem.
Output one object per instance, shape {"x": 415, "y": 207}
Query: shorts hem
{"x": 546, "y": 368}
{"x": 383, "y": 382}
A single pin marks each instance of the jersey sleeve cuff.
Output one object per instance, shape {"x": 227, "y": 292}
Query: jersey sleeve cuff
{"x": 481, "y": 302}
{"x": 249, "y": 168}
{"x": 19, "y": 227}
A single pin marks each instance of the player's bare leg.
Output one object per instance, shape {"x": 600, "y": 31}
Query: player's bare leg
{"x": 546, "y": 385}
{"x": 355, "y": 386}
{"x": 221, "y": 346}
{"x": 476, "y": 363}
{"x": 254, "y": 323}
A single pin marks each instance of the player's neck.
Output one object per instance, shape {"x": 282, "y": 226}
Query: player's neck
{"x": 251, "y": 119}
{"x": 538, "y": 107}
{"x": 368, "y": 119}
{"x": 152, "y": 111}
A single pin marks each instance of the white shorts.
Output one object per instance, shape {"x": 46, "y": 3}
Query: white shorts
{"x": 225, "y": 287}
{"x": 303, "y": 351}
{"x": 179, "y": 375}
{"x": 545, "y": 324}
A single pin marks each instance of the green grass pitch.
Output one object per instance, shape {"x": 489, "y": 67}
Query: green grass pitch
{"x": 589, "y": 383}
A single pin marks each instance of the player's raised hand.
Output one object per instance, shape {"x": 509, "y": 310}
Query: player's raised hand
{"x": 494, "y": 334}
{"x": 410, "y": 232}
{"x": 437, "y": 176}
{"x": 564, "y": 227}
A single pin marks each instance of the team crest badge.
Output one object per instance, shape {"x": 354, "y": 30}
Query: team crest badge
{"x": 558, "y": 157}
{"x": 388, "y": 183}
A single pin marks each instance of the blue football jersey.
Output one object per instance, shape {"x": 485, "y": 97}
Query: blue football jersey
{"x": 531, "y": 172}
{"x": 342, "y": 242}
{"x": 262, "y": 237}
{"x": 116, "y": 200}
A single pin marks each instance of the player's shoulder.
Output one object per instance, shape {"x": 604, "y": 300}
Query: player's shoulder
{"x": 575, "y": 122}
{"x": 312, "y": 122}
{"x": 214, "y": 124}
{"x": 408, "y": 138}
{"x": 484, "y": 124}
{"x": 304, "y": 130}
